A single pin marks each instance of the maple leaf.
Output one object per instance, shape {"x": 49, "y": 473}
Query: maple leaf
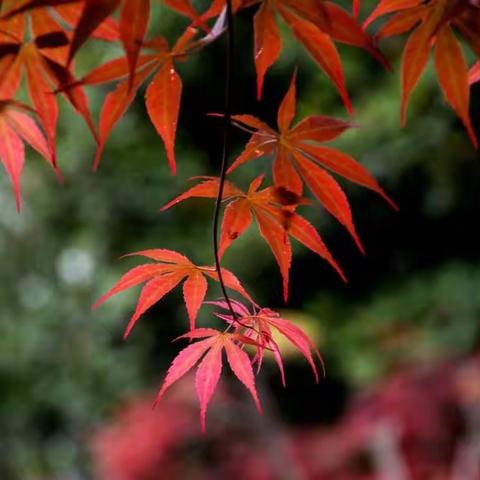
{"x": 41, "y": 58}
{"x": 433, "y": 23}
{"x": 90, "y": 14}
{"x": 17, "y": 127}
{"x": 163, "y": 92}
{"x": 298, "y": 158}
{"x": 91, "y": 18}
{"x": 260, "y": 326}
{"x": 70, "y": 11}
{"x": 133, "y": 27}
{"x": 274, "y": 211}
{"x": 107, "y": 30}
{"x": 474, "y": 75}
{"x": 209, "y": 351}
{"x": 316, "y": 24}
{"x": 163, "y": 276}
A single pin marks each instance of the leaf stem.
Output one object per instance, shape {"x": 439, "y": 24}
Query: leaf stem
{"x": 226, "y": 150}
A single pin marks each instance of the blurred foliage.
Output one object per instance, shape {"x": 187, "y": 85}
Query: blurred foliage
{"x": 411, "y": 300}
{"x": 432, "y": 316}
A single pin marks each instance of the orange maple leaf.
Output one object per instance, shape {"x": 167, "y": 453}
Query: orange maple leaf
{"x": 433, "y": 23}
{"x": 17, "y": 127}
{"x": 163, "y": 92}
{"x": 42, "y": 57}
{"x": 298, "y": 158}
{"x": 316, "y": 24}
{"x": 259, "y": 326}
{"x": 274, "y": 211}
{"x": 210, "y": 367}
{"x": 162, "y": 277}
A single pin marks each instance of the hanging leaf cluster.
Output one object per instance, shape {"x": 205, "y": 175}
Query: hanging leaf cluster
{"x": 39, "y": 40}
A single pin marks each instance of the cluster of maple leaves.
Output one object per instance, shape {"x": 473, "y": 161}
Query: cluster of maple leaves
{"x": 38, "y": 43}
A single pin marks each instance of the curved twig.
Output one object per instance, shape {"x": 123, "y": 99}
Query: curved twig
{"x": 226, "y": 150}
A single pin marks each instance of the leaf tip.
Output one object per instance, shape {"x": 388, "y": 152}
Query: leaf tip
{"x": 171, "y": 163}
{"x": 129, "y": 328}
{"x": 392, "y": 203}
{"x": 260, "y": 79}
{"x": 98, "y": 154}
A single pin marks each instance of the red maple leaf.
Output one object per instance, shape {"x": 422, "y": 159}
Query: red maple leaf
{"x": 91, "y": 18}
{"x": 274, "y": 211}
{"x": 165, "y": 89}
{"x": 210, "y": 366}
{"x": 41, "y": 56}
{"x": 163, "y": 276}
{"x": 86, "y": 16}
{"x": 298, "y": 158}
{"x": 71, "y": 14}
{"x": 259, "y": 326}
{"x": 316, "y": 24}
{"x": 17, "y": 127}
{"x": 162, "y": 96}
{"x": 433, "y": 23}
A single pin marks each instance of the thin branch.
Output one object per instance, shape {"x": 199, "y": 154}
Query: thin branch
{"x": 226, "y": 150}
